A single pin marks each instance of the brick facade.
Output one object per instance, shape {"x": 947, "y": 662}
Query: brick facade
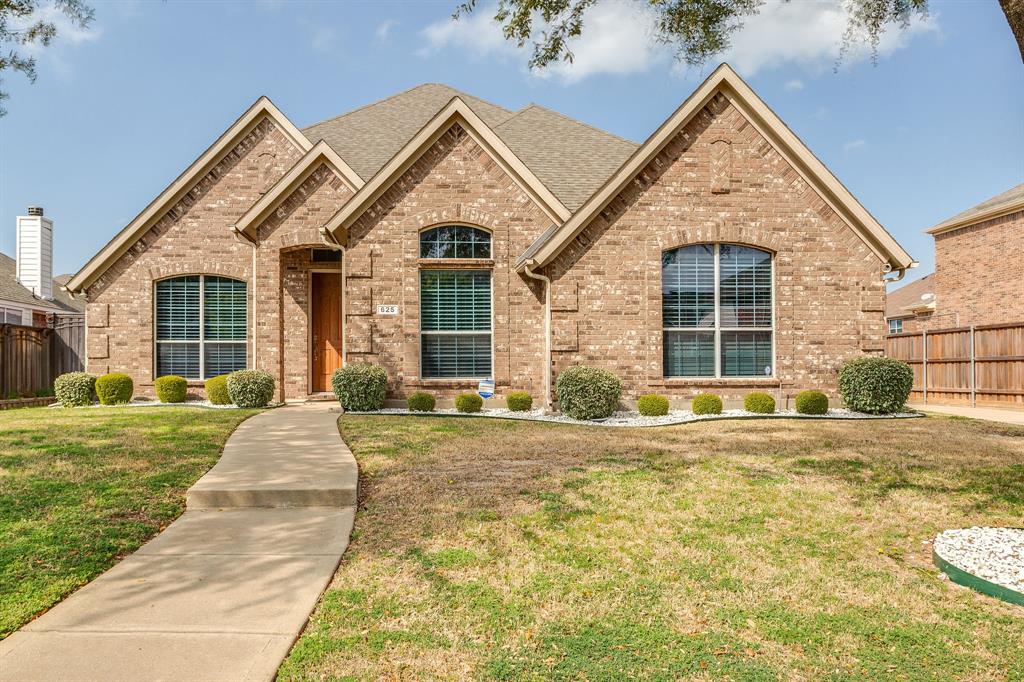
{"x": 717, "y": 181}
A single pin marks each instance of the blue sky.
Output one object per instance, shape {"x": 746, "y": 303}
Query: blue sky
{"x": 119, "y": 111}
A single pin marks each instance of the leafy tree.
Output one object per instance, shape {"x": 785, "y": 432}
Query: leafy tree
{"x": 697, "y": 29}
{"x": 21, "y": 24}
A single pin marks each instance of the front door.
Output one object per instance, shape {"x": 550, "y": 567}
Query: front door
{"x": 325, "y": 304}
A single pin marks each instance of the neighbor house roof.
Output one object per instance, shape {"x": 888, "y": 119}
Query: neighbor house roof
{"x": 13, "y": 291}
{"x": 902, "y": 302}
{"x": 1010, "y": 201}
{"x": 726, "y": 81}
{"x": 569, "y": 157}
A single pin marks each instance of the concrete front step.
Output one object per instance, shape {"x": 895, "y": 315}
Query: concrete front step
{"x": 274, "y": 462}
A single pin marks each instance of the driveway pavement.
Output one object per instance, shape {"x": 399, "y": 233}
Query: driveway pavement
{"x": 992, "y": 414}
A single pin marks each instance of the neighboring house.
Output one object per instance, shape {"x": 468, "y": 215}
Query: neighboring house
{"x": 449, "y": 239}
{"x": 910, "y": 308}
{"x": 979, "y": 271}
{"x": 29, "y": 294}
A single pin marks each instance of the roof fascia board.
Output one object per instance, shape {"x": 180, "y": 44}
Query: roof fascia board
{"x": 456, "y": 111}
{"x": 726, "y": 80}
{"x": 997, "y": 212}
{"x": 116, "y": 247}
{"x": 290, "y": 181}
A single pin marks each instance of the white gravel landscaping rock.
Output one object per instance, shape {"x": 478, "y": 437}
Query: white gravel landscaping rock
{"x": 156, "y": 403}
{"x": 993, "y": 554}
{"x": 629, "y": 418}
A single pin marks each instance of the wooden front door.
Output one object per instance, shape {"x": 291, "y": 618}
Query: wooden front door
{"x": 325, "y": 304}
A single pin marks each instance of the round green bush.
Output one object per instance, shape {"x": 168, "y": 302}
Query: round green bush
{"x": 469, "y": 403}
{"x": 706, "y": 403}
{"x": 811, "y": 402}
{"x": 588, "y": 392}
{"x": 875, "y": 385}
{"x": 74, "y": 389}
{"x": 217, "y": 390}
{"x": 114, "y": 388}
{"x": 250, "y": 387}
{"x": 652, "y": 405}
{"x": 171, "y": 389}
{"x": 421, "y": 402}
{"x": 519, "y": 401}
{"x": 759, "y": 403}
{"x": 360, "y": 387}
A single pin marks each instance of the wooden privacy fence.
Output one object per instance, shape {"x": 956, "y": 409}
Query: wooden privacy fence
{"x": 979, "y": 365}
{"x": 32, "y": 357}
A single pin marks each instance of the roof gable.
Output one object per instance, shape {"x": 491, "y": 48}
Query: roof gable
{"x": 321, "y": 153}
{"x": 456, "y": 112}
{"x": 262, "y": 108}
{"x": 724, "y": 80}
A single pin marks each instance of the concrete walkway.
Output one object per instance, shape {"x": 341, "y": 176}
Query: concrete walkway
{"x": 224, "y": 591}
{"x": 992, "y": 414}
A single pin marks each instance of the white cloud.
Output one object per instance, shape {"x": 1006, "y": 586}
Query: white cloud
{"x": 618, "y": 38}
{"x": 68, "y": 33}
{"x": 808, "y": 34}
{"x": 795, "y": 84}
{"x": 854, "y": 144}
{"x": 384, "y": 29}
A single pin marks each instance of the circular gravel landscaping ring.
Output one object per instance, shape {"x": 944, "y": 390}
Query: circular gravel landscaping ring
{"x": 988, "y": 560}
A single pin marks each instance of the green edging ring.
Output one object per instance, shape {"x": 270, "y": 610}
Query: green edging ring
{"x": 962, "y": 577}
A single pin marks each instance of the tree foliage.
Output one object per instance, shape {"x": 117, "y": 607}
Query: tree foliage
{"x": 22, "y": 24}
{"x": 697, "y": 29}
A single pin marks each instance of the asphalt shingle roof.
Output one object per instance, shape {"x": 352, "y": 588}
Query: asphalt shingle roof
{"x": 12, "y": 290}
{"x": 571, "y": 158}
{"x": 898, "y": 300}
{"x": 1011, "y": 196}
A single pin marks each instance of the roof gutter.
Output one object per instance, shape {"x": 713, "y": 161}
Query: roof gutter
{"x": 527, "y": 269}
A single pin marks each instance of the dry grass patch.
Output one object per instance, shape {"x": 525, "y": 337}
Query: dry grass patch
{"x": 727, "y": 550}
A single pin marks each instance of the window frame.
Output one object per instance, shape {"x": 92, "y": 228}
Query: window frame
{"x": 717, "y": 329}
{"x": 899, "y": 323}
{"x": 459, "y": 264}
{"x": 201, "y": 341}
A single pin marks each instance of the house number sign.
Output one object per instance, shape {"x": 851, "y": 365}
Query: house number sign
{"x": 387, "y": 309}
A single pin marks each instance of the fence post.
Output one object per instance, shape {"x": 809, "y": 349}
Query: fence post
{"x": 974, "y": 378}
{"x": 924, "y": 364}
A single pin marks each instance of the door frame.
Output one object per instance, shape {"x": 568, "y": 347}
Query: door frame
{"x": 309, "y": 318}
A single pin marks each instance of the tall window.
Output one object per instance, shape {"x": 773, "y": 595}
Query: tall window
{"x": 455, "y": 306}
{"x": 201, "y": 326}
{"x": 716, "y": 309}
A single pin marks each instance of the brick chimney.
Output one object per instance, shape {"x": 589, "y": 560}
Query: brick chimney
{"x": 35, "y": 252}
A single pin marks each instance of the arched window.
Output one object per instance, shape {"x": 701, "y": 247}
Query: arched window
{"x": 201, "y": 326}
{"x": 455, "y": 241}
{"x": 716, "y": 308}
{"x": 455, "y": 306}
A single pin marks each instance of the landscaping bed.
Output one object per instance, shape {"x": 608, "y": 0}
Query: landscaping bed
{"x": 756, "y": 550}
{"x": 81, "y": 488}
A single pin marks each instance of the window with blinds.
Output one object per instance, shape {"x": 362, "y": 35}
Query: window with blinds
{"x": 201, "y": 326}
{"x": 717, "y": 311}
{"x": 455, "y": 324}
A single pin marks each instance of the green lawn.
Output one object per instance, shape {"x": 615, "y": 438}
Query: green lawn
{"x": 81, "y": 488}
{"x": 753, "y": 550}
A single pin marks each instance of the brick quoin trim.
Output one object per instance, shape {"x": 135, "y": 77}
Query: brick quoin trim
{"x": 718, "y": 180}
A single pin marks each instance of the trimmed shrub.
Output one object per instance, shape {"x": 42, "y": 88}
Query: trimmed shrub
{"x": 217, "y": 390}
{"x": 519, "y": 401}
{"x": 171, "y": 389}
{"x": 250, "y": 387}
{"x": 360, "y": 387}
{"x": 469, "y": 403}
{"x": 75, "y": 389}
{"x": 875, "y": 385}
{"x": 588, "y": 392}
{"x": 114, "y": 388}
{"x": 652, "y": 405}
{"x": 421, "y": 402}
{"x": 811, "y": 402}
{"x": 759, "y": 403}
{"x": 706, "y": 403}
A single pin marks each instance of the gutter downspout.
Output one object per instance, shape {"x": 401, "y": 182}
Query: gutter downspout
{"x": 526, "y": 270}
{"x": 900, "y": 273}
{"x": 328, "y": 240}
{"x": 242, "y": 236}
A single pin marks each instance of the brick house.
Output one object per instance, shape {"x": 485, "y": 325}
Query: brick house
{"x": 449, "y": 239}
{"x": 979, "y": 271}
